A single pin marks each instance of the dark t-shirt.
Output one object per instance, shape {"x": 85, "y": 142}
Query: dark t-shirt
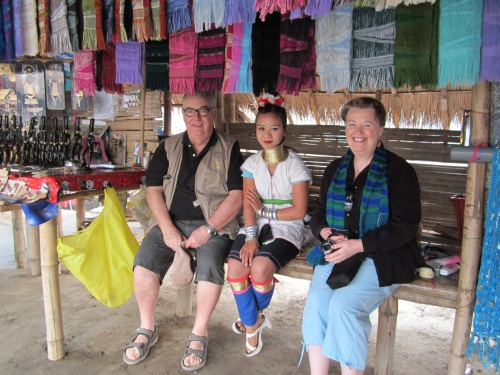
{"x": 182, "y": 207}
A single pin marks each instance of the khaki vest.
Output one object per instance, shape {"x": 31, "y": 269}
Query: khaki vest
{"x": 210, "y": 180}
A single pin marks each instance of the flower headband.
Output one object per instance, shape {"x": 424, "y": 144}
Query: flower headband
{"x": 266, "y": 98}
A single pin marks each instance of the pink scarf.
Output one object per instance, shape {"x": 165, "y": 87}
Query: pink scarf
{"x": 183, "y": 46}
{"x": 84, "y": 72}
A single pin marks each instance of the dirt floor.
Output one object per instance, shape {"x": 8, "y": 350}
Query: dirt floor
{"x": 95, "y": 334}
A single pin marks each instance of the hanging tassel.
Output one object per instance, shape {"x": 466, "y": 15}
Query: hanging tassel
{"x": 178, "y": 18}
{"x": 316, "y": 8}
{"x": 315, "y": 256}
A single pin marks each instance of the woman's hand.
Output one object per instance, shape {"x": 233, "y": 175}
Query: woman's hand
{"x": 253, "y": 198}
{"x": 343, "y": 249}
{"x": 248, "y": 251}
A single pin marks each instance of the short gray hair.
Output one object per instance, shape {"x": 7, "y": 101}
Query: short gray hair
{"x": 208, "y": 95}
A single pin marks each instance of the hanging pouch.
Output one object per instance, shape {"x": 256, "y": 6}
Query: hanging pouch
{"x": 344, "y": 272}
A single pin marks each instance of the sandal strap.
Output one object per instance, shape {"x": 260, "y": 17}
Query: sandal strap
{"x": 144, "y": 331}
{"x": 202, "y": 339}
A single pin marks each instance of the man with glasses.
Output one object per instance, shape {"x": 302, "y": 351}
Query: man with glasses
{"x": 194, "y": 190}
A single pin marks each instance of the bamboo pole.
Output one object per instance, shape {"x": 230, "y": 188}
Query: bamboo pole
{"x": 60, "y": 231}
{"x": 472, "y": 235}
{"x": 19, "y": 243}
{"x": 80, "y": 212}
{"x": 141, "y": 129}
{"x": 33, "y": 245}
{"x": 51, "y": 292}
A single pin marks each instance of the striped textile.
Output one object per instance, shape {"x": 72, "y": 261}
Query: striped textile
{"x": 490, "y": 49}
{"x": 29, "y": 26}
{"x": 84, "y": 72}
{"x": 142, "y": 25}
{"x": 108, "y": 73}
{"x": 182, "y": 56}
{"x": 43, "y": 26}
{"x": 210, "y": 72}
{"x": 129, "y": 63}
{"x": 59, "y": 36}
{"x": 120, "y": 35}
{"x": 73, "y": 24}
{"x": 208, "y": 12}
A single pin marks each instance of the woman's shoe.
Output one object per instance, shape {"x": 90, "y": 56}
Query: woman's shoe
{"x": 250, "y": 350}
{"x": 238, "y": 327}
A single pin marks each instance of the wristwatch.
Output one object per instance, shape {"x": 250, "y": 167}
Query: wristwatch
{"x": 211, "y": 230}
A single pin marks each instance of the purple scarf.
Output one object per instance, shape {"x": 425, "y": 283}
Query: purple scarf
{"x": 490, "y": 50}
{"x": 7, "y": 30}
{"x": 129, "y": 63}
{"x": 239, "y": 11}
{"x": 316, "y": 8}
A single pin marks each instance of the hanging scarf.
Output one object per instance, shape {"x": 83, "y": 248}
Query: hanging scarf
{"x": 73, "y": 24}
{"x": 158, "y": 9}
{"x": 182, "y": 55}
{"x": 316, "y": 8}
{"x": 18, "y": 28}
{"x": 294, "y": 38}
{"x": 98, "y": 70}
{"x": 157, "y": 66}
{"x": 210, "y": 72}
{"x": 43, "y": 26}
{"x": 59, "y": 37}
{"x": 386, "y": 4}
{"x": 266, "y": 53}
{"x": 120, "y": 35}
{"x": 108, "y": 74}
{"x": 490, "y": 49}
{"x": 333, "y": 48}
{"x": 459, "y": 42}
{"x": 339, "y": 3}
{"x": 415, "y": 52}
{"x": 485, "y": 337}
{"x": 178, "y": 15}
{"x": 239, "y": 11}
{"x": 129, "y": 63}
{"x": 93, "y": 37}
{"x": 208, "y": 12}
{"x": 238, "y": 73}
{"x": 142, "y": 26}
{"x": 30, "y": 30}
{"x": 9, "y": 53}
{"x": 266, "y": 7}
{"x": 108, "y": 19}
{"x": 245, "y": 78}
{"x": 374, "y": 34}
{"x": 375, "y": 193}
{"x": 2, "y": 38}
{"x": 308, "y": 77}
{"x": 84, "y": 72}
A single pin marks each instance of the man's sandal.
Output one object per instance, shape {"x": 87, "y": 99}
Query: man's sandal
{"x": 250, "y": 350}
{"x": 142, "y": 347}
{"x": 238, "y": 327}
{"x": 202, "y": 354}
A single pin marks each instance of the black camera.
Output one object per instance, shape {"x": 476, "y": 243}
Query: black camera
{"x": 326, "y": 246}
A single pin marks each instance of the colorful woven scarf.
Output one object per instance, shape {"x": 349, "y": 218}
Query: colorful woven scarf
{"x": 18, "y": 28}
{"x": 182, "y": 55}
{"x": 459, "y": 42}
{"x": 157, "y": 66}
{"x": 8, "y": 31}
{"x": 108, "y": 19}
{"x": 159, "y": 17}
{"x": 120, "y": 35}
{"x": 374, "y": 34}
{"x": 142, "y": 26}
{"x": 308, "y": 77}
{"x": 333, "y": 48}
{"x": 43, "y": 26}
{"x": 210, "y": 72}
{"x": 178, "y": 15}
{"x": 316, "y": 8}
{"x": 73, "y": 24}
{"x": 415, "y": 52}
{"x": 59, "y": 36}
{"x": 93, "y": 37}
{"x": 266, "y": 7}
{"x": 375, "y": 193}
{"x": 490, "y": 49}
{"x": 208, "y": 12}
{"x": 266, "y": 53}
{"x": 30, "y": 30}
{"x": 239, "y": 11}
{"x": 129, "y": 63}
{"x": 84, "y": 72}
{"x": 294, "y": 38}
{"x": 108, "y": 73}
{"x": 485, "y": 337}
{"x": 245, "y": 80}
{"x": 237, "y": 74}
{"x": 98, "y": 70}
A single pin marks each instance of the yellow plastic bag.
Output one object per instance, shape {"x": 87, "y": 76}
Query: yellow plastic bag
{"x": 101, "y": 256}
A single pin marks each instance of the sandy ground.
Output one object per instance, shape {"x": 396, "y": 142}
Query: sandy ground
{"x": 95, "y": 334}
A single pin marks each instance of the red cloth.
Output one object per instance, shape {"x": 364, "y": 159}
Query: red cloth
{"x": 182, "y": 48}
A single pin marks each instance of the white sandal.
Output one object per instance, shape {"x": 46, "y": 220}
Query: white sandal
{"x": 254, "y": 350}
{"x": 237, "y": 328}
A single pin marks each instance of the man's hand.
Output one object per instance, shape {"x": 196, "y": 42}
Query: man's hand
{"x": 198, "y": 237}
{"x": 173, "y": 238}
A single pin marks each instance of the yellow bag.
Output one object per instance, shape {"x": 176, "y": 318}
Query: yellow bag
{"x": 101, "y": 256}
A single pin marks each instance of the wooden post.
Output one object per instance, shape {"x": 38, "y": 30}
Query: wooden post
{"x": 33, "y": 245}
{"x": 167, "y": 113}
{"x": 184, "y": 301}
{"x": 60, "y": 231}
{"x": 386, "y": 336}
{"x": 141, "y": 129}
{"x": 51, "y": 292}
{"x": 472, "y": 235}
{"x": 19, "y": 243}
{"x": 219, "y": 104}
{"x": 80, "y": 212}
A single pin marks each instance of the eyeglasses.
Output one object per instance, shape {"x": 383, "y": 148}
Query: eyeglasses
{"x": 348, "y": 198}
{"x": 203, "y": 111}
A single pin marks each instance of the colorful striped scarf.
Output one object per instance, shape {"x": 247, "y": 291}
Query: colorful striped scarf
{"x": 208, "y": 12}
{"x": 9, "y": 49}
{"x": 374, "y": 34}
{"x": 59, "y": 37}
{"x": 18, "y": 28}
{"x": 43, "y": 26}
{"x": 158, "y": 14}
{"x": 237, "y": 74}
{"x": 459, "y": 42}
{"x": 129, "y": 63}
{"x": 182, "y": 56}
{"x": 178, "y": 15}
{"x": 333, "y": 48}
{"x": 490, "y": 49}
{"x": 142, "y": 26}
{"x": 266, "y": 53}
{"x": 266, "y": 7}
{"x": 29, "y": 24}
{"x": 120, "y": 35}
{"x": 93, "y": 37}
{"x": 157, "y": 66}
{"x": 375, "y": 193}
{"x": 245, "y": 79}
{"x": 294, "y": 45}
{"x": 308, "y": 77}
{"x": 316, "y": 8}
{"x": 415, "y": 52}
{"x": 211, "y": 48}
{"x": 108, "y": 19}
{"x": 73, "y": 24}
{"x": 108, "y": 72}
{"x": 84, "y": 72}
{"x": 239, "y": 11}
